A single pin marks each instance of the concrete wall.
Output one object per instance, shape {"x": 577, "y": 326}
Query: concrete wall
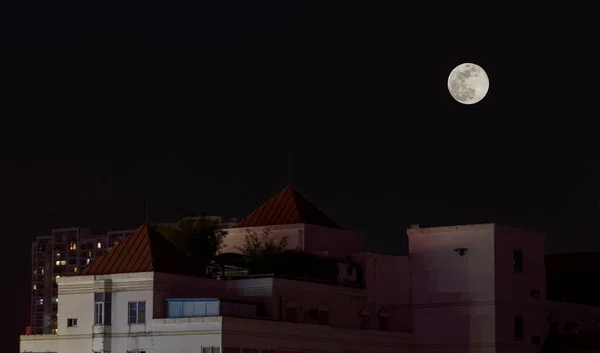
{"x": 188, "y": 335}
{"x": 289, "y": 337}
{"x": 453, "y": 295}
{"x": 336, "y": 242}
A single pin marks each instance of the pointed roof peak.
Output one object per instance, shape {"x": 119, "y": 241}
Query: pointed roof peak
{"x": 288, "y": 206}
{"x": 144, "y": 250}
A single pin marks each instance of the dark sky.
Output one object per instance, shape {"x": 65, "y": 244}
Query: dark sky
{"x": 204, "y": 100}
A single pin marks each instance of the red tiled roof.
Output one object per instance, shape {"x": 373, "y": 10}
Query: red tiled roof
{"x": 287, "y": 207}
{"x": 145, "y": 250}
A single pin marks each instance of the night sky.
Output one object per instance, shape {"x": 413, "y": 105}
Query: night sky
{"x": 204, "y": 101}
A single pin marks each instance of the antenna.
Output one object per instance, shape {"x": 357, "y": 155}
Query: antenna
{"x": 146, "y": 201}
{"x": 290, "y": 168}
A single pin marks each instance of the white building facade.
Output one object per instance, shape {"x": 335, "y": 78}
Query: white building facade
{"x": 133, "y": 313}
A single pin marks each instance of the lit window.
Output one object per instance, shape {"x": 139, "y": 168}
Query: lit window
{"x": 99, "y": 245}
{"x": 88, "y": 261}
{"x": 116, "y": 243}
{"x": 89, "y": 254}
{"x": 57, "y": 254}
{"x": 71, "y": 322}
{"x": 56, "y": 299}
{"x": 34, "y": 272}
{"x": 41, "y": 301}
{"x": 137, "y": 313}
{"x": 35, "y": 286}
{"x": 75, "y": 269}
{"x": 42, "y": 271}
{"x": 57, "y": 263}
{"x": 57, "y": 277}
{"x": 54, "y": 331}
{"x": 73, "y": 246}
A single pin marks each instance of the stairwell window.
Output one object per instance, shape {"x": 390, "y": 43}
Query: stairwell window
{"x": 137, "y": 313}
{"x": 519, "y": 327}
{"x": 518, "y": 261}
{"x": 102, "y": 308}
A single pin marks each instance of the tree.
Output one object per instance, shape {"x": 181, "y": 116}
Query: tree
{"x": 261, "y": 244}
{"x": 262, "y": 250}
{"x": 200, "y": 237}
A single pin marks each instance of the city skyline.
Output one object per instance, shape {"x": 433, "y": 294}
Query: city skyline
{"x": 203, "y": 102}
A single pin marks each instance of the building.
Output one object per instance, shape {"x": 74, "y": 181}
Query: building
{"x": 144, "y": 295}
{"x": 67, "y": 251}
{"x": 472, "y": 288}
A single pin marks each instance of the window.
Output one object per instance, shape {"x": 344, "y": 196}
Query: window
{"x": 102, "y": 308}
{"x": 323, "y": 317}
{"x": 71, "y": 322}
{"x": 291, "y": 314}
{"x": 535, "y": 293}
{"x": 41, "y": 301}
{"x": 99, "y": 245}
{"x": 365, "y": 321}
{"x": 88, "y": 261}
{"x": 73, "y": 246}
{"x": 519, "y": 327}
{"x": 231, "y": 350}
{"x": 383, "y": 323}
{"x": 75, "y": 269}
{"x": 34, "y": 286}
{"x": 518, "y": 261}
{"x": 42, "y": 271}
{"x": 137, "y": 313}
{"x": 383, "y": 320}
{"x": 211, "y": 349}
{"x": 61, "y": 262}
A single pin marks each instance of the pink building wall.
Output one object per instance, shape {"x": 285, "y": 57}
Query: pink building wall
{"x": 513, "y": 289}
{"x": 453, "y": 295}
{"x": 236, "y": 236}
{"x": 337, "y": 242}
{"x": 308, "y": 238}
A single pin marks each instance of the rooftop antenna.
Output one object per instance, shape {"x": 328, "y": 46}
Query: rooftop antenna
{"x": 290, "y": 168}
{"x": 146, "y": 201}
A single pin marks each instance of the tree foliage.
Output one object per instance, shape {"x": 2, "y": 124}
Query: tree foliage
{"x": 261, "y": 244}
{"x": 262, "y": 250}
{"x": 200, "y": 237}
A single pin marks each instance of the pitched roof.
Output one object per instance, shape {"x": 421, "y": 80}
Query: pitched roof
{"x": 287, "y": 207}
{"x": 145, "y": 250}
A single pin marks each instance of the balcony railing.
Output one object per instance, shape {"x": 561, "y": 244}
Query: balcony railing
{"x": 300, "y": 279}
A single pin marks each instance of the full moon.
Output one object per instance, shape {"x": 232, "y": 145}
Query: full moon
{"x": 468, "y": 83}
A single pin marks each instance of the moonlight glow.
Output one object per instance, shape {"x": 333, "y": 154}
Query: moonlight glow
{"x": 468, "y": 83}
